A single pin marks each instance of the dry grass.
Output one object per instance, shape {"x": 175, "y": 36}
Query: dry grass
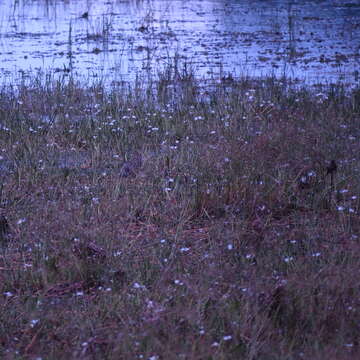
{"x": 229, "y": 239}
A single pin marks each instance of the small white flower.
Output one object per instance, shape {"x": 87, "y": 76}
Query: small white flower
{"x": 288, "y": 259}
{"x": 34, "y": 322}
{"x": 138, "y": 286}
{"x": 184, "y": 249}
{"x": 230, "y": 246}
{"x": 21, "y": 221}
{"x": 215, "y": 344}
{"x": 227, "y": 337}
{"x": 340, "y": 208}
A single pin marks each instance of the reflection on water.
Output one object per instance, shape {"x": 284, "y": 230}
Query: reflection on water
{"x": 311, "y": 40}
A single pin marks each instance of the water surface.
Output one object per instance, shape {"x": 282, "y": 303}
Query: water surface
{"x": 315, "y": 41}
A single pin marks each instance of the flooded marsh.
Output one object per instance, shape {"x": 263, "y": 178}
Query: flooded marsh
{"x": 179, "y": 180}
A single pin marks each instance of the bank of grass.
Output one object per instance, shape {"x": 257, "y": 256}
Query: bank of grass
{"x": 234, "y": 239}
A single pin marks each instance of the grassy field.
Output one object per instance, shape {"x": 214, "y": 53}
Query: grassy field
{"x": 179, "y": 220}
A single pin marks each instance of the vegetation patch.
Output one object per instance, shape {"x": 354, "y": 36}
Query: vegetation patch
{"x": 179, "y": 218}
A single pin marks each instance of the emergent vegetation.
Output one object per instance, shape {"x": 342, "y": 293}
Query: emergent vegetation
{"x": 179, "y": 219}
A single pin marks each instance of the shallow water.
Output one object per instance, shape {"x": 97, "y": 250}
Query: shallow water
{"x": 315, "y": 41}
